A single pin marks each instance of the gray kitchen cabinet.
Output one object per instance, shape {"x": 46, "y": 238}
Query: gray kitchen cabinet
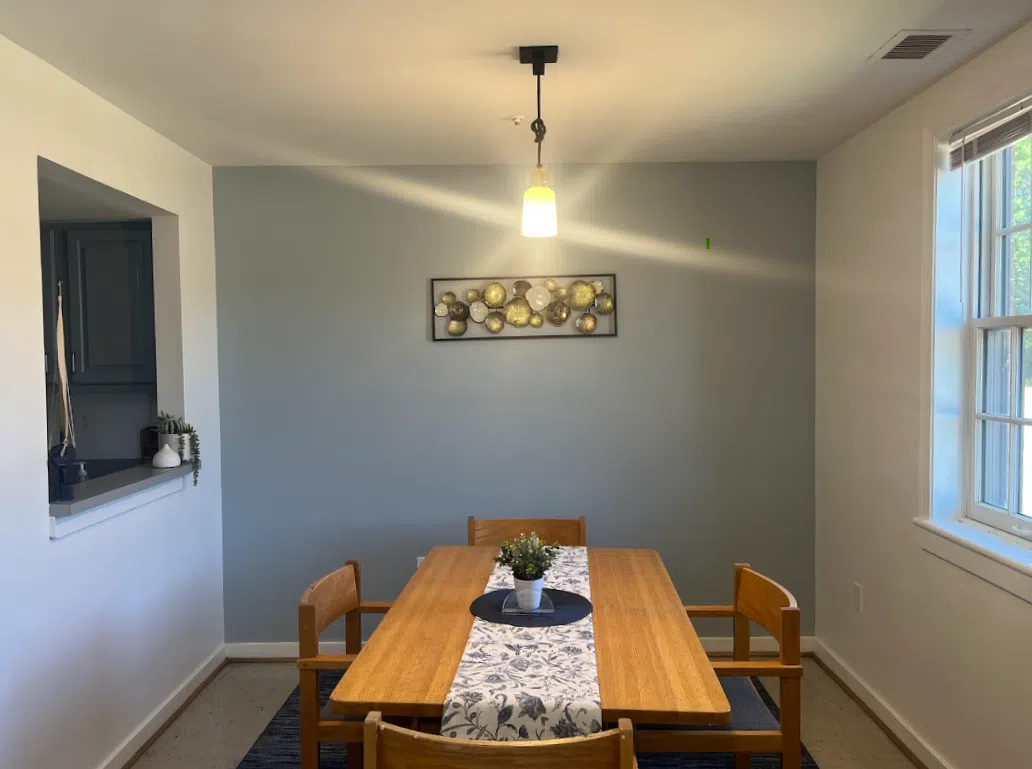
{"x": 53, "y": 271}
{"x": 108, "y": 288}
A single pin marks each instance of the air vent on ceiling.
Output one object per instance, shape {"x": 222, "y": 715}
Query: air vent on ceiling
{"x": 917, "y": 44}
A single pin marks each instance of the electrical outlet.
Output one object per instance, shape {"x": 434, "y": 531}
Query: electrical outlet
{"x": 858, "y": 597}
{"x": 85, "y": 420}
{"x": 419, "y": 560}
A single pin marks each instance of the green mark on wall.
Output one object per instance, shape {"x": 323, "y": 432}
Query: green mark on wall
{"x": 707, "y": 244}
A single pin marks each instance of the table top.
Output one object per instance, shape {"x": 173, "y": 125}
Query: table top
{"x": 651, "y": 665}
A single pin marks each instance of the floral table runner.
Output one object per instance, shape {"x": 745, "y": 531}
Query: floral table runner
{"x": 528, "y": 683}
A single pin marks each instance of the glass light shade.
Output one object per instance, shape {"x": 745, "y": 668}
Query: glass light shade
{"x": 539, "y": 217}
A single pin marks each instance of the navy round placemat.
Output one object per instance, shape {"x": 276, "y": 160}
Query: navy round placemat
{"x": 569, "y": 607}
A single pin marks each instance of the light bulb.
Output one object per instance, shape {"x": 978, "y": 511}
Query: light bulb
{"x": 539, "y": 216}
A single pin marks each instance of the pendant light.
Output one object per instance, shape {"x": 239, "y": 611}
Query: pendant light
{"x": 539, "y": 215}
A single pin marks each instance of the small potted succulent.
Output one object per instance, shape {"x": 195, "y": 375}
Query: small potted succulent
{"x": 181, "y": 436}
{"x": 529, "y": 558}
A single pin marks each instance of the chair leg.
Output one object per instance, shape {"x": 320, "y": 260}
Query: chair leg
{"x": 309, "y": 719}
{"x": 742, "y": 761}
{"x": 309, "y": 752}
{"x": 791, "y": 732}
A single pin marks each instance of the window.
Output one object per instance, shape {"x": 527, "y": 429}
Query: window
{"x": 999, "y": 360}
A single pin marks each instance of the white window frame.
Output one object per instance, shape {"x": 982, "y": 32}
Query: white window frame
{"x": 984, "y": 185}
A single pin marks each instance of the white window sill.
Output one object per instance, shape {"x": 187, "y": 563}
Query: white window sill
{"x": 113, "y": 495}
{"x": 1000, "y": 559}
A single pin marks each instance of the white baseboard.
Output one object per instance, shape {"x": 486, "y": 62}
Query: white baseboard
{"x": 288, "y": 649}
{"x": 888, "y": 715}
{"x": 156, "y": 719}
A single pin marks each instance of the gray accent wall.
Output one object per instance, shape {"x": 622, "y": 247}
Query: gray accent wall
{"x": 347, "y": 434}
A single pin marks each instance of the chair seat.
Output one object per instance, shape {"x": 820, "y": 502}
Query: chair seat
{"x": 748, "y": 711}
{"x": 328, "y": 715}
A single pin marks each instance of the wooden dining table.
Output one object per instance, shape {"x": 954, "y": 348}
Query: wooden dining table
{"x": 651, "y": 665}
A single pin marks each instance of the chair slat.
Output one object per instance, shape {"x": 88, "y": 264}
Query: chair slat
{"x": 570, "y": 532}
{"x": 761, "y": 599}
{"x": 392, "y": 747}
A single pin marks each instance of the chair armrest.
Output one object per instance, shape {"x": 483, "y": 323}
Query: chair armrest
{"x": 375, "y": 607}
{"x": 710, "y": 611}
{"x": 757, "y": 668}
{"x": 327, "y": 662}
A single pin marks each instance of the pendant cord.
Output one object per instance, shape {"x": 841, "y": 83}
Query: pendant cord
{"x": 538, "y": 126}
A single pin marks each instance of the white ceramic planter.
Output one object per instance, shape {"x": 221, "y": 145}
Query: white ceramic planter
{"x": 528, "y": 593}
{"x": 165, "y": 439}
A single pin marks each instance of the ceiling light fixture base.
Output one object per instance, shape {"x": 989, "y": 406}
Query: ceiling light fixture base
{"x": 539, "y": 56}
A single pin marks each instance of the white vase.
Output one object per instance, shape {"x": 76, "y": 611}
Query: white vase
{"x": 183, "y": 450}
{"x": 166, "y": 457}
{"x": 528, "y": 593}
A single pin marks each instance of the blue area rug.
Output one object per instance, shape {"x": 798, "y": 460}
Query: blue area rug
{"x": 279, "y": 746}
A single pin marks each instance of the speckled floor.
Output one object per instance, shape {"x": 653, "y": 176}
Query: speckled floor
{"x": 219, "y": 726}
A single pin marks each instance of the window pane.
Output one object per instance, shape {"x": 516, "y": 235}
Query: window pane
{"x": 995, "y": 437}
{"x": 1025, "y": 408}
{"x": 996, "y": 371}
{"x": 1018, "y": 180}
{"x": 1026, "y": 471}
{"x": 1015, "y": 253}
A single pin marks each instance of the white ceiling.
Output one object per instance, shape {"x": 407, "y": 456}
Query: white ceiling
{"x": 383, "y": 82}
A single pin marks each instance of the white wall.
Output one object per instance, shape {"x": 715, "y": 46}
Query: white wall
{"x": 98, "y": 629}
{"x": 945, "y": 650}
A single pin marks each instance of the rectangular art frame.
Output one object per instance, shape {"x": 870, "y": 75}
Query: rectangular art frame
{"x": 562, "y": 306}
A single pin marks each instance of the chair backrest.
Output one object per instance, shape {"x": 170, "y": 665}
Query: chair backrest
{"x": 570, "y": 532}
{"x": 770, "y": 606}
{"x": 329, "y": 599}
{"x": 391, "y": 747}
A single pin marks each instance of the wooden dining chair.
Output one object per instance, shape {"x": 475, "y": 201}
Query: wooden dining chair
{"x": 571, "y": 532}
{"x": 392, "y": 747}
{"x": 753, "y": 728}
{"x": 338, "y": 594}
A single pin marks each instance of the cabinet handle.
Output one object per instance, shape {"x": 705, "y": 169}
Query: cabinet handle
{"x": 46, "y": 363}
{"x": 73, "y": 362}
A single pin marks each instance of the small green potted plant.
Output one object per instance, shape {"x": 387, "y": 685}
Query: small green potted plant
{"x": 529, "y": 558}
{"x": 181, "y": 436}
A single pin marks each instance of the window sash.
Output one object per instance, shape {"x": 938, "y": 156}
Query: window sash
{"x": 1008, "y": 523}
{"x": 990, "y": 288}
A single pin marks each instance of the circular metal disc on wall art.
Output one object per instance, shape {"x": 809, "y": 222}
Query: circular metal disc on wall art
{"x": 473, "y": 295}
{"x": 517, "y": 312}
{"x": 561, "y": 293}
{"x": 582, "y": 295}
{"x": 448, "y": 297}
{"x": 494, "y": 322}
{"x": 551, "y": 284}
{"x": 557, "y": 313}
{"x": 598, "y": 285}
{"x": 494, "y": 295}
{"x": 604, "y": 303}
{"x": 538, "y": 297}
{"x": 519, "y": 288}
{"x": 478, "y": 311}
{"x": 587, "y": 323}
{"x": 459, "y": 311}
{"x": 537, "y": 320}
{"x": 440, "y": 309}
{"x": 456, "y": 327}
